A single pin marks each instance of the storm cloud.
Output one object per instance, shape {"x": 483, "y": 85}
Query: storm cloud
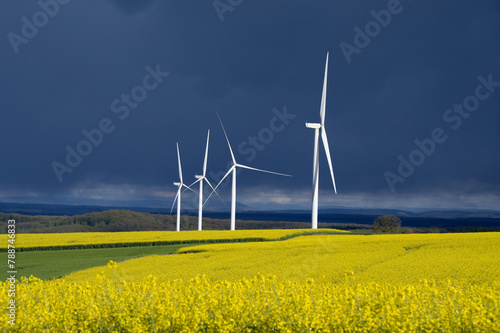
{"x": 398, "y": 71}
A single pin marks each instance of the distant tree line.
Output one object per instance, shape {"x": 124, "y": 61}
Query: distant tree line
{"x": 126, "y": 220}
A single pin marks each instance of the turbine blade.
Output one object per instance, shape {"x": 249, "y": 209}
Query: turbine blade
{"x": 230, "y": 169}
{"x": 179, "y": 160}
{"x": 255, "y": 169}
{"x": 230, "y": 149}
{"x": 197, "y": 180}
{"x": 176, "y": 196}
{"x": 206, "y": 156}
{"x": 327, "y": 150}
{"x": 323, "y": 96}
{"x": 208, "y": 182}
{"x": 188, "y": 188}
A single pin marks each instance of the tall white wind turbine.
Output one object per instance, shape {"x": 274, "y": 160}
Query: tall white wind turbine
{"x": 201, "y": 179}
{"x": 180, "y": 185}
{"x": 317, "y": 129}
{"x": 233, "y": 170}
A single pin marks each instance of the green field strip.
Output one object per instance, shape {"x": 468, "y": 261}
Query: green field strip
{"x": 57, "y": 263}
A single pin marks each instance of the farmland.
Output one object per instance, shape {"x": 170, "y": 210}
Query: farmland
{"x": 324, "y": 283}
{"x": 56, "y": 263}
{"x": 48, "y": 256}
{"x": 83, "y": 240}
{"x": 397, "y": 258}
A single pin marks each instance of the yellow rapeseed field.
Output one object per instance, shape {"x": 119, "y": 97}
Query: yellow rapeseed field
{"x": 99, "y": 238}
{"x": 471, "y": 257}
{"x": 261, "y": 304}
{"x": 326, "y": 283}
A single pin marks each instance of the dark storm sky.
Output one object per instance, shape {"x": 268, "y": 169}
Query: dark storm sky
{"x": 74, "y": 66}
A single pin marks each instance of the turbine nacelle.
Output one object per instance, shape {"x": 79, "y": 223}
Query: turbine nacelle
{"x": 177, "y": 184}
{"x": 313, "y": 125}
{"x": 198, "y": 177}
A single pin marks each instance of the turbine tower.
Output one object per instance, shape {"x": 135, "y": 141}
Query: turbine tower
{"x": 233, "y": 170}
{"x": 180, "y": 185}
{"x": 317, "y": 129}
{"x": 200, "y": 179}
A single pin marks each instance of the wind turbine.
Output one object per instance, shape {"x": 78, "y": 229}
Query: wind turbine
{"x": 200, "y": 179}
{"x": 233, "y": 170}
{"x": 180, "y": 185}
{"x": 320, "y": 128}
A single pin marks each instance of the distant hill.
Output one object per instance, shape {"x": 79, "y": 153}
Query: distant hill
{"x": 49, "y": 209}
{"x": 52, "y": 209}
{"x": 36, "y": 218}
